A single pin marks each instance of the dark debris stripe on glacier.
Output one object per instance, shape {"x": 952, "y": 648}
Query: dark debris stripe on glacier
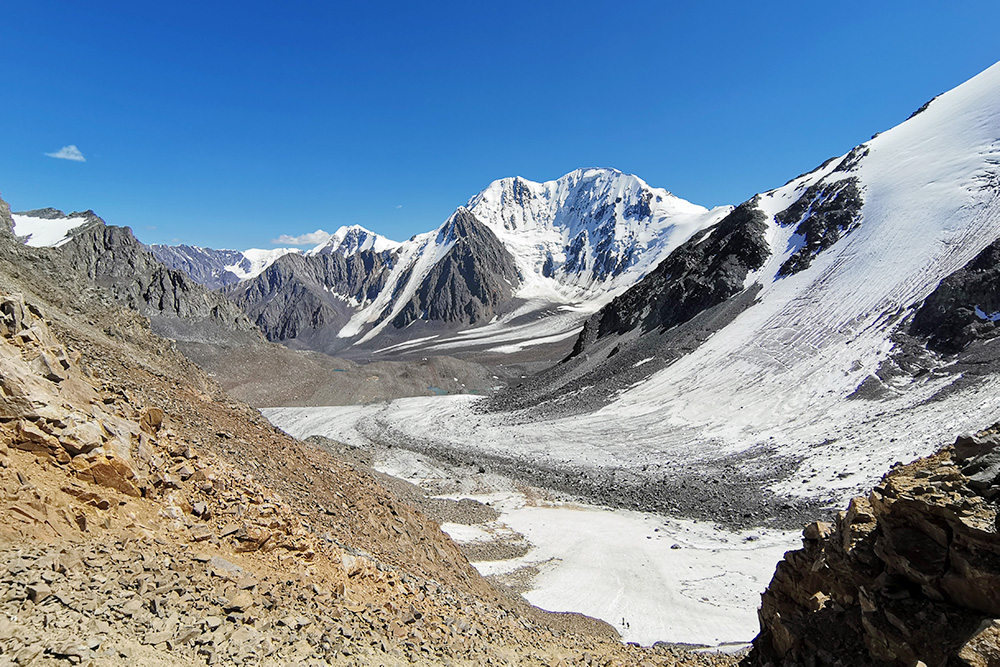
{"x": 731, "y": 490}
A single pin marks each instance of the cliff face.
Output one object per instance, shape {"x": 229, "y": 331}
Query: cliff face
{"x": 6, "y": 223}
{"x": 964, "y": 306}
{"x": 300, "y": 297}
{"x": 177, "y": 306}
{"x": 908, "y": 576}
{"x": 474, "y": 279}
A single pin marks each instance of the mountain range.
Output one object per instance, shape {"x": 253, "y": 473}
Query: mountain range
{"x": 516, "y": 252}
{"x": 520, "y": 265}
{"x": 751, "y": 365}
{"x": 787, "y": 344}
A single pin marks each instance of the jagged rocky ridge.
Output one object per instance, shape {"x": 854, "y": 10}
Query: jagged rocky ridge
{"x": 177, "y": 306}
{"x": 705, "y": 271}
{"x": 112, "y": 258}
{"x": 306, "y": 301}
{"x": 713, "y": 266}
{"x": 469, "y": 285}
{"x": 6, "y": 222}
{"x": 299, "y": 297}
{"x": 573, "y": 240}
{"x": 905, "y": 576}
{"x": 205, "y": 266}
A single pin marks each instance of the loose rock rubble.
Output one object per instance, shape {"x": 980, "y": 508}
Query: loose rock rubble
{"x": 146, "y": 518}
{"x": 908, "y": 576}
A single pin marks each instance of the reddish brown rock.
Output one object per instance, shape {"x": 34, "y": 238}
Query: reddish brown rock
{"x": 151, "y": 420}
{"x": 112, "y": 473}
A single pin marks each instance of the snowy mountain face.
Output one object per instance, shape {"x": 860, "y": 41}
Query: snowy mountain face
{"x": 790, "y": 348}
{"x": 352, "y": 240}
{"x": 521, "y": 265}
{"x": 587, "y": 232}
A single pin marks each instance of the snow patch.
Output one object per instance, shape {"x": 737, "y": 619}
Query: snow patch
{"x": 44, "y": 232}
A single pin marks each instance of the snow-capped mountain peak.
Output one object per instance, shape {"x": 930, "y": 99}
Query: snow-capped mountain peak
{"x": 352, "y": 239}
{"x": 589, "y": 231}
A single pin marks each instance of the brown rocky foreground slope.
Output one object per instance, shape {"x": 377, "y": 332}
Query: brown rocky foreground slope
{"x": 147, "y": 518}
{"x": 909, "y": 576}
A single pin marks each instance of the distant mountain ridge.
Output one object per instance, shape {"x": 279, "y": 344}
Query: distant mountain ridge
{"x": 218, "y": 268}
{"x": 178, "y": 307}
{"x": 517, "y": 250}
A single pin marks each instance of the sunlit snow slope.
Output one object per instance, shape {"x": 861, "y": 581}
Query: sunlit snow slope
{"x": 588, "y": 232}
{"x": 780, "y": 381}
{"x": 576, "y": 241}
{"x": 48, "y": 227}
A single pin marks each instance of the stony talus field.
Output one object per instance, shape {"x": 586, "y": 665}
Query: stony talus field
{"x": 148, "y": 518}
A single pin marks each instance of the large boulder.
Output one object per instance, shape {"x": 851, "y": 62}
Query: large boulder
{"x": 908, "y": 576}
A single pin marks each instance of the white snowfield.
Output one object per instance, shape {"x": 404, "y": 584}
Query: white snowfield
{"x": 775, "y": 380}
{"x": 257, "y": 260}
{"x": 653, "y": 578}
{"x": 44, "y": 232}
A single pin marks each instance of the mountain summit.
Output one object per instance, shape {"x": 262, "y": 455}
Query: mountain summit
{"x": 589, "y": 230}
{"x": 522, "y": 263}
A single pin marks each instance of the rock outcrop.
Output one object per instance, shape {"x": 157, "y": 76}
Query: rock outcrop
{"x": 177, "y": 306}
{"x": 703, "y": 272}
{"x": 305, "y": 300}
{"x": 964, "y": 307}
{"x": 824, "y": 213}
{"x": 909, "y": 575}
{"x": 6, "y": 222}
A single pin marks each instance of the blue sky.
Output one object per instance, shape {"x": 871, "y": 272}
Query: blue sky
{"x": 227, "y": 124}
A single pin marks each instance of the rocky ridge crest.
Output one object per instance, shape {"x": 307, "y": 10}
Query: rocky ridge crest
{"x": 177, "y": 306}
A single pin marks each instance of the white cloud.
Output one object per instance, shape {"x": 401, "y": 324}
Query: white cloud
{"x": 399, "y": 206}
{"x": 70, "y": 152}
{"x": 312, "y": 238}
